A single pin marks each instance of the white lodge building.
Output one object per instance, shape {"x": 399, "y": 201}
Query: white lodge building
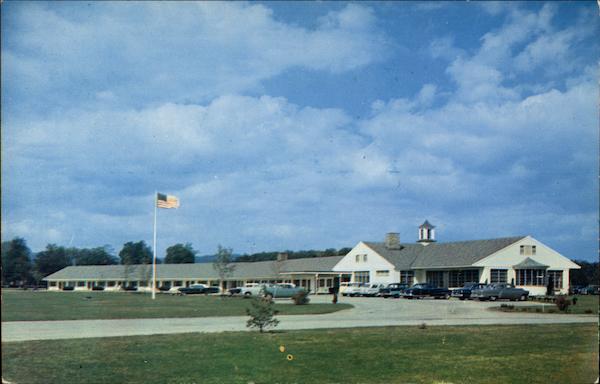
{"x": 520, "y": 260}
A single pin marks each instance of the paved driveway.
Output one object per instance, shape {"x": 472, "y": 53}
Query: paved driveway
{"x": 367, "y": 312}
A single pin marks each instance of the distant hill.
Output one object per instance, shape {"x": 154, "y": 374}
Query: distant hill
{"x": 205, "y": 259}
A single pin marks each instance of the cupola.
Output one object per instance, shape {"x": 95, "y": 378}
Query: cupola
{"x": 426, "y": 233}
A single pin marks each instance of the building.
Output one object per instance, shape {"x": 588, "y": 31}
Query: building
{"x": 521, "y": 260}
{"x": 314, "y": 274}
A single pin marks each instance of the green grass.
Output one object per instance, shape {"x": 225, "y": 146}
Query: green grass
{"x": 586, "y": 304}
{"x": 43, "y": 305}
{"x": 482, "y": 354}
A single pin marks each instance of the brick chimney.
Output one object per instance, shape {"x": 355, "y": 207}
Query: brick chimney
{"x": 392, "y": 240}
{"x": 282, "y": 256}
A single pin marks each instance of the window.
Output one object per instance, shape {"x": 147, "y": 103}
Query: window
{"x": 53, "y": 283}
{"x": 407, "y": 277}
{"x": 110, "y": 284}
{"x": 435, "y": 278}
{"x": 527, "y": 250}
{"x": 357, "y": 258}
{"x": 459, "y": 278}
{"x": 81, "y": 283}
{"x": 534, "y": 277}
{"x": 361, "y": 277}
{"x": 177, "y": 283}
{"x": 382, "y": 273}
{"x": 365, "y": 258}
{"x": 498, "y": 276}
{"x": 557, "y": 278}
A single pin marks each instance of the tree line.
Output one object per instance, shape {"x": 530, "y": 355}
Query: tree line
{"x": 265, "y": 256}
{"x": 20, "y": 266}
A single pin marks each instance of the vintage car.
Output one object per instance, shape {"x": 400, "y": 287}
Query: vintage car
{"x": 393, "y": 290}
{"x": 353, "y": 289}
{"x": 195, "y": 289}
{"x": 499, "y": 291}
{"x": 371, "y": 290}
{"x": 420, "y": 291}
{"x": 252, "y": 289}
{"x": 465, "y": 292}
{"x": 284, "y": 290}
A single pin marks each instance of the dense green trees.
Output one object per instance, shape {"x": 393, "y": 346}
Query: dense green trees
{"x": 52, "y": 259}
{"x": 587, "y": 275}
{"x": 135, "y": 253}
{"x": 263, "y": 256}
{"x": 16, "y": 262}
{"x": 92, "y": 256}
{"x": 180, "y": 254}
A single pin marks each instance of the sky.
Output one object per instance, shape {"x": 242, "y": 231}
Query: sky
{"x": 299, "y": 125}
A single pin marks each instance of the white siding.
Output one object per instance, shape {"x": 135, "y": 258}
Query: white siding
{"x": 373, "y": 264}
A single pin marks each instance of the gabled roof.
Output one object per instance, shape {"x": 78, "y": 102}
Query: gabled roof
{"x": 439, "y": 255}
{"x": 246, "y": 270}
{"x": 529, "y": 263}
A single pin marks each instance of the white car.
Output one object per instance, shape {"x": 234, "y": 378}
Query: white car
{"x": 252, "y": 289}
{"x": 371, "y": 289}
{"x": 353, "y": 289}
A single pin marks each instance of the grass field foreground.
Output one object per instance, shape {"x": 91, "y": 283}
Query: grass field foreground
{"x": 43, "y": 305}
{"x": 483, "y": 354}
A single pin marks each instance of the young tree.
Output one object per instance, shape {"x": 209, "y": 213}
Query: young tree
{"x": 262, "y": 314}
{"x": 16, "y": 262}
{"x": 180, "y": 254}
{"x": 223, "y": 264}
{"x": 53, "y": 259}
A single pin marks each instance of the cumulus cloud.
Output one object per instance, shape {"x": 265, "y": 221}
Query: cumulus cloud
{"x": 171, "y": 52}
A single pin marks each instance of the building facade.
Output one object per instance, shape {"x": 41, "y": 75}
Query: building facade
{"x": 521, "y": 260}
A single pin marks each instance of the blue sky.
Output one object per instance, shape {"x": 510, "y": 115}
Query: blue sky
{"x": 303, "y": 125}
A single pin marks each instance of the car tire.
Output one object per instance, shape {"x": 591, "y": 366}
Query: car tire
{"x": 493, "y": 298}
{"x": 523, "y": 298}
{"x": 247, "y": 294}
{"x": 461, "y": 298}
{"x": 446, "y": 296}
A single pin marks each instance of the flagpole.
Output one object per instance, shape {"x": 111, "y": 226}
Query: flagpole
{"x": 154, "y": 248}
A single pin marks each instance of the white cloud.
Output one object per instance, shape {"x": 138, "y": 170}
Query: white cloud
{"x": 175, "y": 51}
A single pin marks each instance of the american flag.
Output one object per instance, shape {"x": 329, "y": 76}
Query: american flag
{"x": 166, "y": 201}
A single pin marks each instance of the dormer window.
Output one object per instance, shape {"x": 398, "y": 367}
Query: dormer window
{"x": 426, "y": 233}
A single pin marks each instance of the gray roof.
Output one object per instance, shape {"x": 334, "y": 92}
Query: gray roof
{"x": 530, "y": 263}
{"x": 439, "y": 255}
{"x": 426, "y": 225}
{"x": 246, "y": 270}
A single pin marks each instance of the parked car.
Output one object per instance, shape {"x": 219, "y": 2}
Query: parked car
{"x": 576, "y": 289}
{"x": 235, "y": 291}
{"x": 353, "y": 289}
{"x": 465, "y": 292}
{"x": 393, "y": 290}
{"x": 196, "y": 289}
{"x": 426, "y": 290}
{"x": 498, "y": 291}
{"x": 590, "y": 290}
{"x": 371, "y": 290}
{"x": 252, "y": 289}
{"x": 281, "y": 290}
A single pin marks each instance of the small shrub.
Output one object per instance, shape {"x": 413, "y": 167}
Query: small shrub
{"x": 551, "y": 311}
{"x": 301, "y": 298}
{"x": 588, "y": 311}
{"x": 562, "y": 303}
{"x": 423, "y": 326}
{"x": 538, "y": 309}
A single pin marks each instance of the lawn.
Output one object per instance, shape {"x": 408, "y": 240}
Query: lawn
{"x": 43, "y": 305}
{"x": 586, "y": 304}
{"x": 482, "y": 354}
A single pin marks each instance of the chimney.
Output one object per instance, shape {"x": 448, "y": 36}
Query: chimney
{"x": 392, "y": 240}
{"x": 282, "y": 256}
